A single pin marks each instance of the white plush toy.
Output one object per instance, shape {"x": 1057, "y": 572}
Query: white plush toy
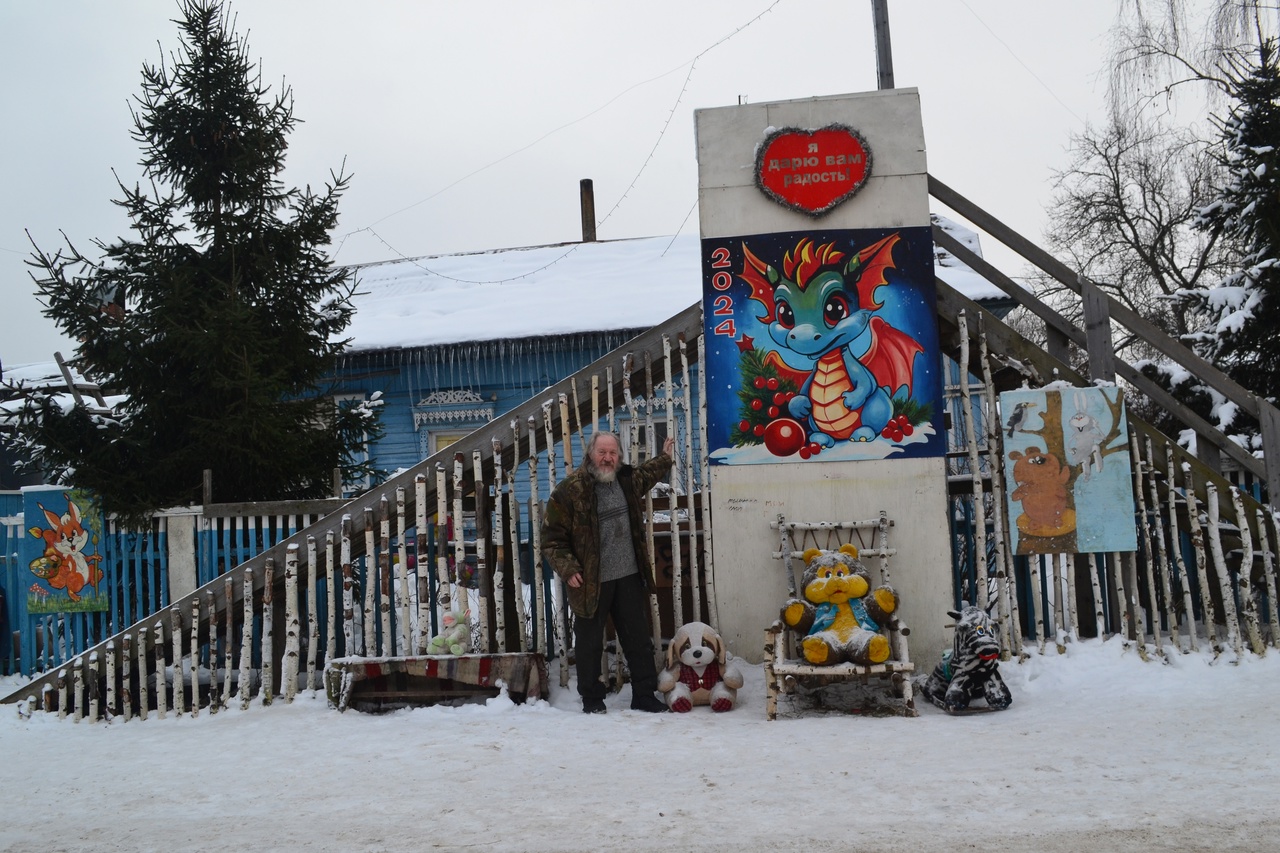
{"x": 455, "y": 638}
{"x": 699, "y": 670}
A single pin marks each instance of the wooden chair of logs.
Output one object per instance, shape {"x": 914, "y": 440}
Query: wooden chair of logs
{"x": 784, "y": 668}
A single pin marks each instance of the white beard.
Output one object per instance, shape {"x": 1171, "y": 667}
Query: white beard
{"x": 602, "y": 476}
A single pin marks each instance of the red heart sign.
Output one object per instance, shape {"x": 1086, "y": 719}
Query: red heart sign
{"x": 812, "y": 170}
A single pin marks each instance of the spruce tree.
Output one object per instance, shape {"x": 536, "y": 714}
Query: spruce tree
{"x": 218, "y": 319}
{"x": 1243, "y": 309}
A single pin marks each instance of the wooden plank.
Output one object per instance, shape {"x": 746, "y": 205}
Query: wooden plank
{"x": 1121, "y": 313}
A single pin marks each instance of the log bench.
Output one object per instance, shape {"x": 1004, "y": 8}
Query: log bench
{"x": 374, "y": 684}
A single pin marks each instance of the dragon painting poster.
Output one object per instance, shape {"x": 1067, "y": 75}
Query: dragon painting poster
{"x": 63, "y": 552}
{"x": 822, "y": 345}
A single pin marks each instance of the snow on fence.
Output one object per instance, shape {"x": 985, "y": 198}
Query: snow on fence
{"x": 375, "y": 578}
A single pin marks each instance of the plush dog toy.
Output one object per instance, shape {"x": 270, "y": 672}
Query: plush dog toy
{"x": 841, "y": 615}
{"x": 699, "y": 671}
{"x": 970, "y": 669}
{"x": 455, "y": 639}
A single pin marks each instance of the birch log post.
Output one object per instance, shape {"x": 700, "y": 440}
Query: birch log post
{"x": 211, "y": 616}
{"x": 111, "y": 707}
{"x": 673, "y": 523}
{"x": 608, "y": 381}
{"x": 566, "y": 433}
{"x": 1244, "y": 581}
{"x": 648, "y": 512}
{"x": 1198, "y": 546}
{"x": 690, "y": 487}
{"x": 595, "y": 409}
{"x": 387, "y": 647}
{"x": 1162, "y": 557}
{"x": 405, "y": 634}
{"x": 975, "y": 470}
{"x": 91, "y": 688}
{"x": 64, "y": 700}
{"x": 331, "y": 598}
{"x": 558, "y": 604}
{"x": 246, "y": 642}
{"x": 499, "y": 552}
{"x": 144, "y": 692}
{"x": 1220, "y": 568}
{"x": 194, "y": 658}
{"x": 422, "y": 565}
{"x": 1144, "y": 528}
{"x": 369, "y": 589}
{"x": 1006, "y": 580}
{"x": 713, "y": 605}
{"x": 127, "y": 708}
{"x": 175, "y": 636}
{"x": 482, "y": 545}
{"x": 577, "y": 418}
{"x": 1177, "y": 560}
{"x": 292, "y": 625}
{"x": 349, "y": 635}
{"x": 538, "y": 630}
{"x": 162, "y": 694}
{"x": 1037, "y": 603}
{"x": 228, "y": 643}
{"x": 313, "y": 618}
{"x": 1266, "y": 541}
{"x": 513, "y": 511}
{"x": 461, "y": 596}
{"x": 444, "y": 598}
{"x": 1096, "y": 588}
{"x": 268, "y": 632}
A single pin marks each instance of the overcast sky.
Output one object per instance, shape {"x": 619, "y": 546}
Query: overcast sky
{"x": 469, "y": 125}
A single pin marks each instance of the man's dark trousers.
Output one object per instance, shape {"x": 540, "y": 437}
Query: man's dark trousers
{"x": 627, "y": 602}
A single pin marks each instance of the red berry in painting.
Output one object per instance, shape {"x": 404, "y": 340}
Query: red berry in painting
{"x": 757, "y": 404}
{"x": 758, "y": 430}
{"x": 758, "y": 382}
{"x": 772, "y": 384}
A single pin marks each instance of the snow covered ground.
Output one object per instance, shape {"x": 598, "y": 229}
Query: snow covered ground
{"x": 1100, "y": 752}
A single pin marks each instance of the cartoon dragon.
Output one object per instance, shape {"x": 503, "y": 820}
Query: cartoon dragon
{"x": 821, "y": 307}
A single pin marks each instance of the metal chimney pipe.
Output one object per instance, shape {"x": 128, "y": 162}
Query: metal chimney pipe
{"x": 587, "y": 196}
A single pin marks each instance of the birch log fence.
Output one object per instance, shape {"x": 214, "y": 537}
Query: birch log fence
{"x": 373, "y": 576}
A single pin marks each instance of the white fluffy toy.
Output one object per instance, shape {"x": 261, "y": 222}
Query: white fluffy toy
{"x": 699, "y": 671}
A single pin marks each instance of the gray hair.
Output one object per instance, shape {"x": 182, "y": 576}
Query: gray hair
{"x": 599, "y": 434}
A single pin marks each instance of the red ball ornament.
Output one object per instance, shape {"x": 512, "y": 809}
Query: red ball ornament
{"x": 804, "y": 453}
{"x": 772, "y": 384}
{"x": 814, "y": 448}
{"x": 774, "y": 411}
{"x": 757, "y": 404}
{"x": 784, "y": 437}
{"x": 907, "y": 429}
{"x": 779, "y": 398}
{"x": 744, "y": 426}
{"x": 758, "y": 430}
{"x": 758, "y": 382}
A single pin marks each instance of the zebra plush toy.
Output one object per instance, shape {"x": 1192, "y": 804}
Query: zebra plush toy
{"x": 971, "y": 668}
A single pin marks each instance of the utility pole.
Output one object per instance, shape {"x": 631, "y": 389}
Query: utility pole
{"x": 884, "y": 53}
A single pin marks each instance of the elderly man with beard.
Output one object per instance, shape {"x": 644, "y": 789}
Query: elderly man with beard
{"x": 593, "y": 537}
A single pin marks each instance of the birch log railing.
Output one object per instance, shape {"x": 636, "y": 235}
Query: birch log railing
{"x": 1204, "y": 571}
{"x": 343, "y": 586}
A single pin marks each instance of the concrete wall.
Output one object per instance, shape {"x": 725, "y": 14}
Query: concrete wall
{"x": 750, "y": 584}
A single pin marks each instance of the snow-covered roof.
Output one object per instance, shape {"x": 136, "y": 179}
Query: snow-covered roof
{"x": 553, "y": 290}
